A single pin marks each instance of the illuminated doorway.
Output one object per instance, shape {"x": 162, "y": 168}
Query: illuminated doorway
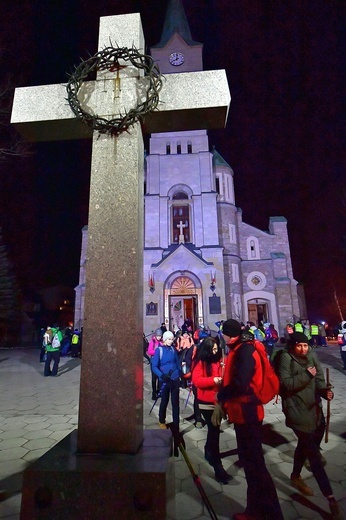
{"x": 183, "y": 299}
{"x": 258, "y": 312}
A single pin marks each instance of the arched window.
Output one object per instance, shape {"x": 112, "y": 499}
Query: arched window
{"x": 180, "y": 195}
{"x": 180, "y": 214}
{"x": 252, "y": 247}
{"x": 180, "y": 223}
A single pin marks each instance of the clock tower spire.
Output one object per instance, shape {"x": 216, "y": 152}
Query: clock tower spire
{"x": 177, "y": 51}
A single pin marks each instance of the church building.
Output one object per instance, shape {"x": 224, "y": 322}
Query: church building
{"x": 200, "y": 260}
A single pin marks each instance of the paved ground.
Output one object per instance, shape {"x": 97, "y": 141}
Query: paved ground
{"x": 36, "y": 412}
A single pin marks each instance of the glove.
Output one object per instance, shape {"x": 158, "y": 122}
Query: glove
{"x": 165, "y": 378}
{"x": 218, "y": 415}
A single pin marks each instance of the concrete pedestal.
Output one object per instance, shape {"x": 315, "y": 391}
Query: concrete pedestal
{"x": 66, "y": 484}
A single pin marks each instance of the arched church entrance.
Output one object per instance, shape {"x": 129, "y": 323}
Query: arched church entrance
{"x": 183, "y": 300}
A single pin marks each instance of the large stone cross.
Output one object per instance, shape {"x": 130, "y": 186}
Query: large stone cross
{"x": 111, "y": 388}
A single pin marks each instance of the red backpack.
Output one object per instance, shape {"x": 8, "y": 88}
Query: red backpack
{"x": 270, "y": 382}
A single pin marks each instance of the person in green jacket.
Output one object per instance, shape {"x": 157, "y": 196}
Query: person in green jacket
{"x": 53, "y": 352}
{"x": 302, "y": 385}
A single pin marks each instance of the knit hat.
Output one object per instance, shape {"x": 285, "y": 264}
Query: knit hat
{"x": 231, "y": 328}
{"x": 158, "y": 332}
{"x": 297, "y": 337}
{"x": 167, "y": 335}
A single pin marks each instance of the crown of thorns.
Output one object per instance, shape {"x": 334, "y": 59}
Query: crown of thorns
{"x": 109, "y": 59}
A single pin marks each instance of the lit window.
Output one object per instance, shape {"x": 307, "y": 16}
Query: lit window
{"x": 180, "y": 223}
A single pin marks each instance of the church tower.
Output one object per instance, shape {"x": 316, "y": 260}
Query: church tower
{"x": 177, "y": 52}
{"x": 183, "y": 256}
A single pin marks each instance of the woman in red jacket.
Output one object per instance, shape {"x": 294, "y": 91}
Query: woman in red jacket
{"x": 207, "y": 378}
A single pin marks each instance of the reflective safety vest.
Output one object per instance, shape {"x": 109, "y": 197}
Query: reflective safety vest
{"x": 314, "y": 330}
{"x": 298, "y": 327}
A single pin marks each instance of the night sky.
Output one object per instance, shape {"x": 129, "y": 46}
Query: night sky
{"x": 283, "y": 136}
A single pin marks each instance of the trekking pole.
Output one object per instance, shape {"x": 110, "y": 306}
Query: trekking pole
{"x": 158, "y": 397}
{"x": 179, "y": 441}
{"x": 329, "y": 386}
{"x": 188, "y": 396}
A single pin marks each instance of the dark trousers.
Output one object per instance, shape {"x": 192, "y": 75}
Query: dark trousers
{"x": 170, "y": 389}
{"x": 196, "y": 410}
{"x": 262, "y": 499}
{"x": 42, "y": 353}
{"x": 55, "y": 357}
{"x": 308, "y": 447}
{"x": 343, "y": 357}
{"x": 212, "y": 446}
{"x": 154, "y": 383}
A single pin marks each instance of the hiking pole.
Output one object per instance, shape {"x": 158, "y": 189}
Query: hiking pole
{"x": 188, "y": 396}
{"x": 158, "y": 397}
{"x": 179, "y": 441}
{"x": 329, "y": 386}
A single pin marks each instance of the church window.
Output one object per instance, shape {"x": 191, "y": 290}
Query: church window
{"x": 252, "y": 247}
{"x": 178, "y": 148}
{"x": 217, "y": 184}
{"x": 232, "y": 234}
{"x": 180, "y": 195}
{"x": 168, "y": 148}
{"x": 180, "y": 223}
{"x": 189, "y": 147}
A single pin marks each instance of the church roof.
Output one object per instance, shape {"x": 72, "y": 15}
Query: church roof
{"x": 218, "y": 160}
{"x": 175, "y": 21}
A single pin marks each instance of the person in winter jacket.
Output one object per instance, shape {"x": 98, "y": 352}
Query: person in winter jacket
{"x": 53, "y": 352}
{"x": 302, "y": 385}
{"x": 166, "y": 365}
{"x": 207, "y": 378}
{"x": 242, "y": 377}
{"x": 155, "y": 341}
{"x": 271, "y": 338}
{"x": 184, "y": 341}
{"x": 342, "y": 342}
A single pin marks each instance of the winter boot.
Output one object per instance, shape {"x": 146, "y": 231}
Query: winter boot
{"x": 221, "y": 474}
{"x": 299, "y": 484}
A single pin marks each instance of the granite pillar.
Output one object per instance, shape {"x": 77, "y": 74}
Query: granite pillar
{"x": 111, "y": 388}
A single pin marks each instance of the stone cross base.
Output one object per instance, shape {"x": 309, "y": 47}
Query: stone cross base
{"x": 65, "y": 484}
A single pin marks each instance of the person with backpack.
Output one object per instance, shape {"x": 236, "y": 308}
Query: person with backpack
{"x": 271, "y": 338}
{"x": 243, "y": 380}
{"x": 302, "y": 385}
{"x": 207, "y": 377}
{"x": 156, "y": 341}
{"x": 53, "y": 352}
{"x": 166, "y": 365}
{"x": 75, "y": 343}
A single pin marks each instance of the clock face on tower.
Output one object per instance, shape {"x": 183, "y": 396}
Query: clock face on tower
{"x": 176, "y": 58}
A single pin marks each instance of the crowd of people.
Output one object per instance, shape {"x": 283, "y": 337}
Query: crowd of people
{"x": 224, "y": 372}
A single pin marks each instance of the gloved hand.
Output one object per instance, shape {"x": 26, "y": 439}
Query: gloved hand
{"x": 218, "y": 415}
{"x": 165, "y": 378}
